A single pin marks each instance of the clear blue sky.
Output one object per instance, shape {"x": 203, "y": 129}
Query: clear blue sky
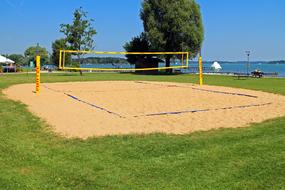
{"x": 231, "y": 26}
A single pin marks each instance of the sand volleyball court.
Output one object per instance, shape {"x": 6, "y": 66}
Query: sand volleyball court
{"x": 86, "y": 109}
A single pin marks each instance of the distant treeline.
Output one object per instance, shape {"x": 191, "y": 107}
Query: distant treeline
{"x": 277, "y": 62}
{"x": 245, "y": 62}
{"x": 103, "y": 60}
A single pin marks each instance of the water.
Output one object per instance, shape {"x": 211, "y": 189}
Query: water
{"x": 237, "y": 67}
{"x": 108, "y": 66}
{"x": 242, "y": 67}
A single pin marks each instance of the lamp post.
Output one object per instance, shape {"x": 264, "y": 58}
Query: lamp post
{"x": 247, "y": 65}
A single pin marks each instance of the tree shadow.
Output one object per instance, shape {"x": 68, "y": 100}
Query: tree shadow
{"x": 151, "y": 74}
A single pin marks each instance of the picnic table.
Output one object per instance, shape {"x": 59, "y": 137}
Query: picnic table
{"x": 257, "y": 74}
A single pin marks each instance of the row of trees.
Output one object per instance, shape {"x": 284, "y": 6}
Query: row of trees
{"x": 169, "y": 25}
{"x": 29, "y": 55}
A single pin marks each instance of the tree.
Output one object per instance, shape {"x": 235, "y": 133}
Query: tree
{"x": 18, "y": 58}
{"x": 58, "y": 45}
{"x": 173, "y": 25}
{"x": 32, "y": 51}
{"x": 79, "y": 35}
{"x": 137, "y": 44}
{"x": 141, "y": 44}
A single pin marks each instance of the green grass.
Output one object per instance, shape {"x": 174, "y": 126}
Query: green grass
{"x": 32, "y": 157}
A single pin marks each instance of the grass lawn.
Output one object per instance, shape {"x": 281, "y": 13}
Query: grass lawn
{"x": 32, "y": 157}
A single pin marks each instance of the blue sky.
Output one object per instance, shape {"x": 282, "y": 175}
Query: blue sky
{"x": 231, "y": 26}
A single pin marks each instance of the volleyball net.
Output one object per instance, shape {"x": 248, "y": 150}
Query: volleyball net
{"x": 121, "y": 61}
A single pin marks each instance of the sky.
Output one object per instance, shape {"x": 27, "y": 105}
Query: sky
{"x": 231, "y": 26}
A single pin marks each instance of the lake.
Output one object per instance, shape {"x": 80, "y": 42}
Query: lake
{"x": 227, "y": 67}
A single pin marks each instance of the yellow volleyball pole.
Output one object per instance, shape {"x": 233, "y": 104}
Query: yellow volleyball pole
{"x": 187, "y": 59}
{"x": 38, "y": 73}
{"x": 60, "y": 66}
{"x": 200, "y": 70}
{"x": 63, "y": 59}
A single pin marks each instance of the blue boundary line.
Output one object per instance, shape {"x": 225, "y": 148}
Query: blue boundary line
{"x": 229, "y": 93}
{"x": 169, "y": 113}
{"x": 213, "y": 91}
{"x": 87, "y": 103}
{"x": 204, "y": 110}
{"x": 93, "y": 105}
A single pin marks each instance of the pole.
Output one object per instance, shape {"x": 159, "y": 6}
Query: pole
{"x": 247, "y": 65}
{"x": 200, "y": 69}
{"x": 38, "y": 70}
{"x": 38, "y": 73}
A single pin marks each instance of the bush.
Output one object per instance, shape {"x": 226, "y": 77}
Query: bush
{"x": 19, "y": 69}
{"x": 74, "y": 64}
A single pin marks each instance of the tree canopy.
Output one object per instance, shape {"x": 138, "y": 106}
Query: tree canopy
{"x": 79, "y": 34}
{"x": 32, "y": 51}
{"x": 173, "y": 25}
{"x": 18, "y": 58}
{"x": 58, "y": 45}
{"x": 137, "y": 44}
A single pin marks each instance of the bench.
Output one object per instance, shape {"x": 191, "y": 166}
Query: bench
{"x": 240, "y": 76}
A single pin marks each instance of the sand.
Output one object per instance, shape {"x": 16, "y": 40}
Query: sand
{"x": 93, "y": 109}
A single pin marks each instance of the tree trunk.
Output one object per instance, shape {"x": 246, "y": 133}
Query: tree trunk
{"x": 167, "y": 64}
{"x": 79, "y": 60}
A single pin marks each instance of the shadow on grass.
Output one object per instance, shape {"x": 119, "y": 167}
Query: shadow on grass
{"x": 149, "y": 74}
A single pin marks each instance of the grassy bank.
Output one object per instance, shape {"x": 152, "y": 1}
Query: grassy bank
{"x": 31, "y": 157}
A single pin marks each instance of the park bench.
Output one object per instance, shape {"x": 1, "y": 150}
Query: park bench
{"x": 241, "y": 75}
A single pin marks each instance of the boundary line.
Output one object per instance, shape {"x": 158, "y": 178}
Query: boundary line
{"x": 203, "y": 110}
{"x": 85, "y": 102}
{"x": 168, "y": 113}
{"x": 213, "y": 91}
{"x": 93, "y": 105}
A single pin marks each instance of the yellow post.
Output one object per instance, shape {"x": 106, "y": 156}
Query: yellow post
{"x": 38, "y": 73}
{"x": 187, "y": 59}
{"x": 200, "y": 70}
{"x": 60, "y": 52}
{"x": 63, "y": 59}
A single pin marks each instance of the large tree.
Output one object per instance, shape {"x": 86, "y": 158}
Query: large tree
{"x": 79, "y": 35}
{"x": 32, "y": 51}
{"x": 173, "y": 25}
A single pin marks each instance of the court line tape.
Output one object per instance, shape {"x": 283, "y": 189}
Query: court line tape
{"x": 161, "y": 113}
{"x": 100, "y": 91}
{"x": 93, "y": 105}
{"x": 229, "y": 93}
{"x": 85, "y": 102}
{"x": 204, "y": 110}
{"x": 213, "y": 91}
